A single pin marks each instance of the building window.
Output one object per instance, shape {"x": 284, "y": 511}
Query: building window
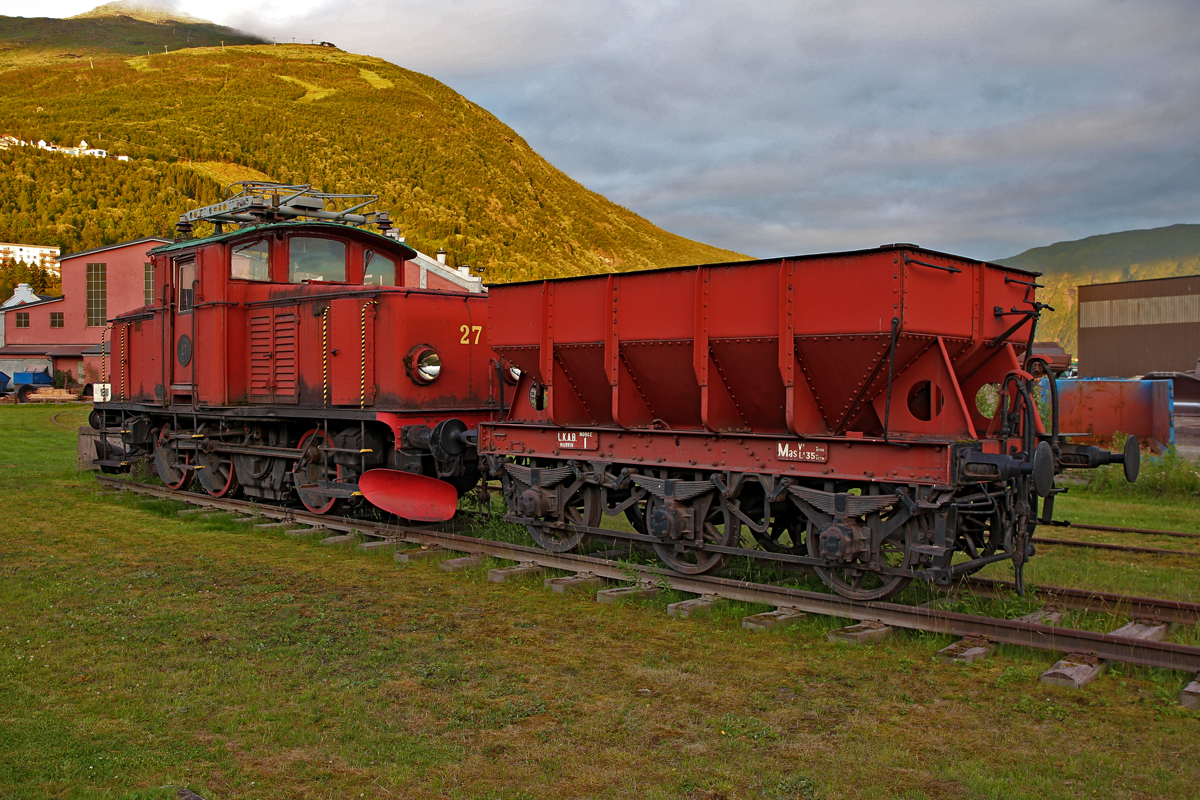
{"x": 149, "y": 284}
{"x": 56, "y": 319}
{"x": 97, "y": 295}
{"x": 22, "y": 319}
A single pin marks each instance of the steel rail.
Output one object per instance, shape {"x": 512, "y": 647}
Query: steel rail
{"x": 1111, "y": 529}
{"x": 1155, "y": 608}
{"x": 1165, "y": 655}
{"x": 1124, "y": 548}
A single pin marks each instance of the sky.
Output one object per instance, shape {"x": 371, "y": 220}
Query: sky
{"x": 772, "y": 127}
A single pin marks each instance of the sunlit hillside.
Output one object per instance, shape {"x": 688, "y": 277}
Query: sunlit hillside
{"x": 450, "y": 173}
{"x": 1126, "y": 256}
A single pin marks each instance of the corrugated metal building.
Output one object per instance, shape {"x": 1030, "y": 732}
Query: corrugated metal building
{"x": 1131, "y": 328}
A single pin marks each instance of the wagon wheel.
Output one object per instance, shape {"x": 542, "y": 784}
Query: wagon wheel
{"x": 786, "y": 533}
{"x": 582, "y": 509}
{"x": 174, "y": 466}
{"x": 977, "y": 538}
{"x": 720, "y": 527}
{"x": 218, "y": 476}
{"x": 855, "y": 579}
{"x": 315, "y": 465}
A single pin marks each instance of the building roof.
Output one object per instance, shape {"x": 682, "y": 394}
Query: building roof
{"x": 42, "y": 299}
{"x": 47, "y": 350}
{"x": 94, "y": 250}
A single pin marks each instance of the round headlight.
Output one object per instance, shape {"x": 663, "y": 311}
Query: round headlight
{"x": 424, "y": 365}
{"x": 512, "y": 374}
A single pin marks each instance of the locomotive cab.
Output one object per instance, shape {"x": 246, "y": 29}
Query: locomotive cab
{"x": 288, "y": 356}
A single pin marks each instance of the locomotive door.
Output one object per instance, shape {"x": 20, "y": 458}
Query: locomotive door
{"x": 272, "y": 353}
{"x": 184, "y": 325}
{"x": 352, "y": 352}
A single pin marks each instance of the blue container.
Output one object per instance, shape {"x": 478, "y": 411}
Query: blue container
{"x": 4, "y": 379}
{"x": 40, "y": 377}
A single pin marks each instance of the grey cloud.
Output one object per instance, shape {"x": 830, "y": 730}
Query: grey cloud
{"x": 977, "y": 127}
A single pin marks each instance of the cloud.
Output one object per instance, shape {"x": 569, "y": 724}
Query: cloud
{"x": 788, "y": 126}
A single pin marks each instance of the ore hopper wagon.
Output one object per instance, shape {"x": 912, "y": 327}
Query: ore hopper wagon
{"x": 822, "y": 410}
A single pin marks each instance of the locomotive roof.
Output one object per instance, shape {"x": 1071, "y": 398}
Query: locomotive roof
{"x": 324, "y": 227}
{"x": 882, "y": 248}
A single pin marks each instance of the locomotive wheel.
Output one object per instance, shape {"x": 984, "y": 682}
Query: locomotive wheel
{"x": 720, "y": 528}
{"x": 314, "y": 466}
{"x": 174, "y": 466}
{"x": 856, "y": 580}
{"x": 218, "y": 477}
{"x": 582, "y": 509}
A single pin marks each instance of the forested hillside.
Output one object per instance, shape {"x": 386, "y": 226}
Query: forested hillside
{"x": 1126, "y": 256}
{"x": 450, "y": 173}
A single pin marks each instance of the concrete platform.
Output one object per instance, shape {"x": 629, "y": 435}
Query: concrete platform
{"x": 377, "y": 546}
{"x": 1079, "y": 669}
{"x": 265, "y": 526}
{"x": 517, "y": 572}
{"x": 639, "y": 591}
{"x": 967, "y": 650}
{"x": 420, "y": 554}
{"x": 695, "y": 607}
{"x": 342, "y": 540}
{"x": 460, "y": 564}
{"x": 868, "y": 630}
{"x": 1190, "y": 696}
{"x": 574, "y": 584}
{"x": 770, "y": 620}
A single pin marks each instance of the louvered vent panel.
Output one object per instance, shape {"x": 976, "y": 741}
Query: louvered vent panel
{"x": 260, "y": 356}
{"x": 285, "y": 354}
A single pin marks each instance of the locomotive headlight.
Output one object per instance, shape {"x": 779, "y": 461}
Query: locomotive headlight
{"x": 512, "y": 373}
{"x": 423, "y": 365}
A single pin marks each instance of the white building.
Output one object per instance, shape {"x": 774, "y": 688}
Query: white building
{"x": 32, "y": 254}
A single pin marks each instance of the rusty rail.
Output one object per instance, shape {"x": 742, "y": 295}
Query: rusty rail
{"x": 1165, "y": 655}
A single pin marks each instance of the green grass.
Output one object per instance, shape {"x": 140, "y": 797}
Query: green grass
{"x": 143, "y": 651}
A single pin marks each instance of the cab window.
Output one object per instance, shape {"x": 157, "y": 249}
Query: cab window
{"x": 313, "y": 259}
{"x": 187, "y": 277}
{"x": 378, "y": 269}
{"x": 250, "y": 262}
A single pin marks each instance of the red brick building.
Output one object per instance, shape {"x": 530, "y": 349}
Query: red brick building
{"x": 64, "y": 333}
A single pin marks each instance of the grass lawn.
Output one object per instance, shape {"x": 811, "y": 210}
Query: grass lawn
{"x": 141, "y": 652}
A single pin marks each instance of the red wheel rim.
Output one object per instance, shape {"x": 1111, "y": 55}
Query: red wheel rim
{"x": 299, "y": 476}
{"x": 163, "y": 457}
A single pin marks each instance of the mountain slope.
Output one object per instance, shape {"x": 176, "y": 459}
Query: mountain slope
{"x": 1125, "y": 256}
{"x": 450, "y": 173}
{"x": 106, "y": 32}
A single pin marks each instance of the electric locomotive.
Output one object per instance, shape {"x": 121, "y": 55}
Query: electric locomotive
{"x": 294, "y": 350}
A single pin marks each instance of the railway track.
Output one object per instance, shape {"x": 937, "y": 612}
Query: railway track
{"x": 1165, "y": 655}
{"x": 1122, "y": 548}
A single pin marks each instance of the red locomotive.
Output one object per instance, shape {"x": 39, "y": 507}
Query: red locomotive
{"x": 824, "y": 405}
{"x": 287, "y": 357}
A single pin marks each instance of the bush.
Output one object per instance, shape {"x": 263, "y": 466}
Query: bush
{"x": 1168, "y": 475}
{"x": 61, "y": 379}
